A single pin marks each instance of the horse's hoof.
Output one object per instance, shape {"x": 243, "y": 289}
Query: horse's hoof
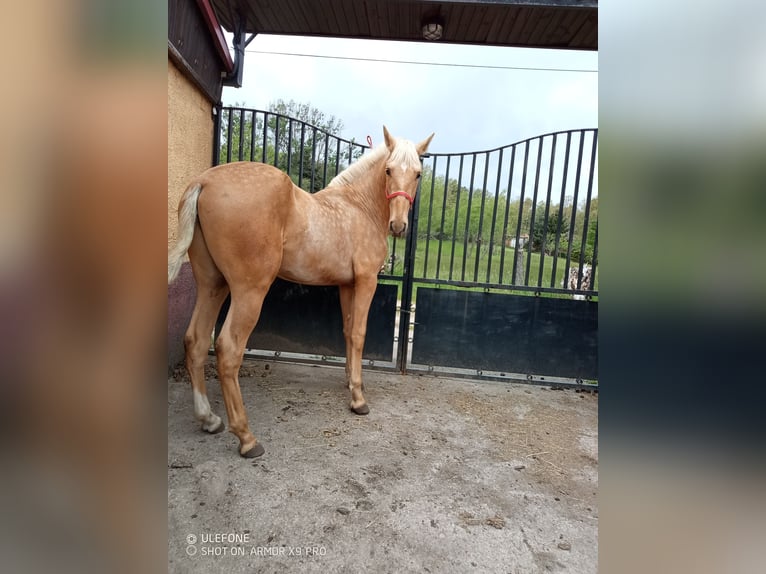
{"x": 361, "y": 410}
{"x": 254, "y": 452}
{"x": 216, "y": 430}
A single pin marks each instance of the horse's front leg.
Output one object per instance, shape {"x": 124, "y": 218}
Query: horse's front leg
{"x": 347, "y": 310}
{"x": 364, "y": 289}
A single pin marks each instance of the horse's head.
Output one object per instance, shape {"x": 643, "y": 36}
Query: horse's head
{"x": 403, "y": 169}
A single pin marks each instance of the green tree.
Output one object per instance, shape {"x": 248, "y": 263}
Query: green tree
{"x": 555, "y": 228}
{"x": 306, "y": 143}
{"x": 300, "y": 140}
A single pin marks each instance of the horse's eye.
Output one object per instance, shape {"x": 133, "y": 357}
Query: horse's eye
{"x": 417, "y": 175}
{"x": 388, "y": 171}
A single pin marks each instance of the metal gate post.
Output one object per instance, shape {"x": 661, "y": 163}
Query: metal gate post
{"x": 217, "y": 114}
{"x": 408, "y": 271}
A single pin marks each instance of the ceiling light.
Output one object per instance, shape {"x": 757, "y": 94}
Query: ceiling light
{"x": 432, "y": 28}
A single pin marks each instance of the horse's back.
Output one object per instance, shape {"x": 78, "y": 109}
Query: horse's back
{"x": 246, "y": 186}
{"x": 246, "y": 176}
{"x": 242, "y": 211}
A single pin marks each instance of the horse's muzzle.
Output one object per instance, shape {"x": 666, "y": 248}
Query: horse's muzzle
{"x": 397, "y": 228}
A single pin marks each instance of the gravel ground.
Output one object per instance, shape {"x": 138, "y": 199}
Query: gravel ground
{"x": 443, "y": 475}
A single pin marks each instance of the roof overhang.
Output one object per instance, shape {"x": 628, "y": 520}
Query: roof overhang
{"x": 216, "y": 33}
{"x": 554, "y": 24}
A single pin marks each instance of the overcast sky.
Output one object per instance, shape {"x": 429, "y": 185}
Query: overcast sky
{"x": 470, "y": 109}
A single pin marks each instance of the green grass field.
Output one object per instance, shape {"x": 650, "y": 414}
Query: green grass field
{"x": 471, "y": 263}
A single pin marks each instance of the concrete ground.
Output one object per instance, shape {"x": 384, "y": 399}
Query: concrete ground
{"x": 443, "y": 475}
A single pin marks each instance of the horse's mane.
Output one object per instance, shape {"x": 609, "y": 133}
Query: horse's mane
{"x": 404, "y": 153}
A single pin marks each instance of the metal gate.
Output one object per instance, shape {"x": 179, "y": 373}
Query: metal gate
{"x": 497, "y": 278}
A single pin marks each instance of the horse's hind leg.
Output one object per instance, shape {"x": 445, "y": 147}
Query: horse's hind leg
{"x": 230, "y": 347}
{"x": 197, "y": 342}
{"x": 211, "y": 292}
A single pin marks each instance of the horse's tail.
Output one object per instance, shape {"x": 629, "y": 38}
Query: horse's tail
{"x": 187, "y": 217}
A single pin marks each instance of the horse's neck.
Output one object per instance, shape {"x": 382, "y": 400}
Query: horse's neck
{"x": 368, "y": 191}
{"x": 361, "y": 167}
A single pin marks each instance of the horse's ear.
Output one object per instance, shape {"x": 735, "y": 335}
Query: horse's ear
{"x": 390, "y": 141}
{"x": 423, "y": 146}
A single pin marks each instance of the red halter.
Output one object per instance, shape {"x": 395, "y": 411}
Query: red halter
{"x": 390, "y": 196}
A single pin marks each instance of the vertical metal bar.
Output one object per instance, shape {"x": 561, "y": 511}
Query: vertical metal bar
{"x": 303, "y": 151}
{"x": 520, "y": 217}
{"x": 534, "y": 210}
{"x": 393, "y": 254}
{"x": 252, "y": 135}
{"x": 508, "y": 195}
{"x": 313, "y": 157}
{"x": 217, "y": 113}
{"x": 410, "y": 250}
{"x": 494, "y": 214}
{"x": 457, "y": 211}
{"x": 573, "y": 218}
{"x": 289, "y": 146}
{"x": 276, "y": 140}
{"x": 547, "y": 211}
{"x": 337, "y": 158}
{"x": 326, "y": 154}
{"x": 595, "y": 261}
{"x": 228, "y": 135}
{"x": 468, "y": 217}
{"x": 264, "y": 154}
{"x": 562, "y": 198}
{"x": 586, "y": 215}
{"x": 479, "y": 238}
{"x": 430, "y": 212}
{"x": 241, "y": 151}
{"x": 444, "y": 210}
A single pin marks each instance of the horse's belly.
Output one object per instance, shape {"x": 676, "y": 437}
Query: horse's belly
{"x": 312, "y": 268}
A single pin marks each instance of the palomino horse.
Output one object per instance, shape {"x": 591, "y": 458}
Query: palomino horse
{"x": 244, "y": 224}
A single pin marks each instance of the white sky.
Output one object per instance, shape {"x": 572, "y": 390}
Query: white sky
{"x": 470, "y": 109}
